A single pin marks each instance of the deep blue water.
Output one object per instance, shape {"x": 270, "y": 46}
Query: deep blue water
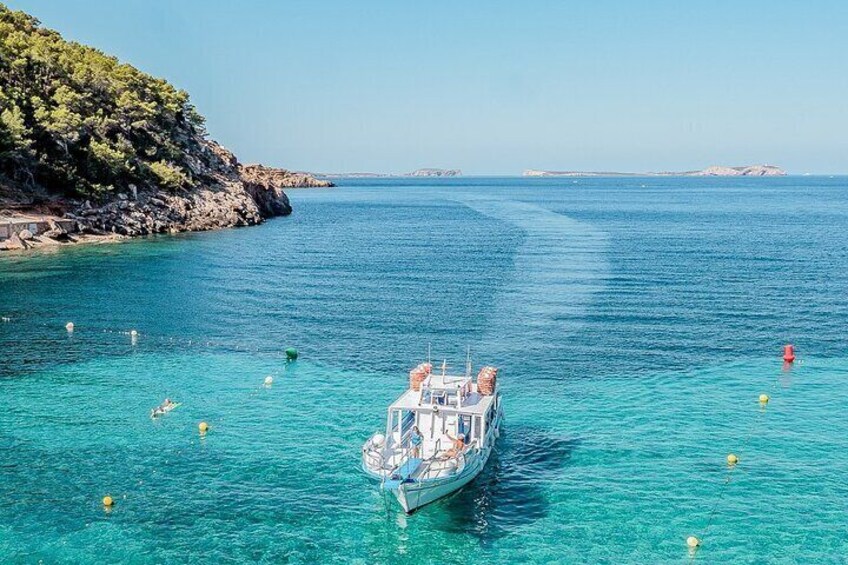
{"x": 636, "y": 321}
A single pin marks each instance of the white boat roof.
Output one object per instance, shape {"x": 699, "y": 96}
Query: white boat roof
{"x": 473, "y": 403}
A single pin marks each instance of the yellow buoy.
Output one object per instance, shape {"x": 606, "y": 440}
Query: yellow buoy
{"x": 732, "y": 459}
{"x": 203, "y": 427}
{"x": 693, "y": 542}
{"x": 107, "y": 501}
{"x": 69, "y": 326}
{"x": 764, "y": 398}
{"x": 269, "y": 380}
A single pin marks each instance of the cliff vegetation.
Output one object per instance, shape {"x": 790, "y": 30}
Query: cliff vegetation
{"x": 87, "y": 137}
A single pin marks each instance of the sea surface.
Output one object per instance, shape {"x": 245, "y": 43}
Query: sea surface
{"x": 636, "y": 322}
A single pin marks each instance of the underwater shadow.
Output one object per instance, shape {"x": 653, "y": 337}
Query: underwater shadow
{"x": 510, "y": 492}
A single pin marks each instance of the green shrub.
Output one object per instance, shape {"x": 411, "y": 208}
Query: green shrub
{"x": 168, "y": 175}
{"x": 77, "y": 121}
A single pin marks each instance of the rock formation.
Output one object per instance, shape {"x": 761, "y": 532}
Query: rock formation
{"x": 233, "y": 195}
{"x": 112, "y": 148}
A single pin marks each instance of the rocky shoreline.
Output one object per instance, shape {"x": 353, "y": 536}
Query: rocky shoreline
{"x": 232, "y": 195}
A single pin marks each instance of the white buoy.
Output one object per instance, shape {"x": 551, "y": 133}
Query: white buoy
{"x": 69, "y": 326}
{"x": 133, "y": 333}
{"x": 693, "y": 542}
{"x": 269, "y": 380}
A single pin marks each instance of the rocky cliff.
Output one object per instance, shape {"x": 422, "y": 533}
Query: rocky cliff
{"x": 229, "y": 195}
{"x": 117, "y": 151}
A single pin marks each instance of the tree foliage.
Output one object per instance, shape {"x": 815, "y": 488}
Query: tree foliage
{"x": 79, "y": 122}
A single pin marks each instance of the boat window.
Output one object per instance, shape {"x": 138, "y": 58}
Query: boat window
{"x": 476, "y": 427}
{"x": 464, "y": 425}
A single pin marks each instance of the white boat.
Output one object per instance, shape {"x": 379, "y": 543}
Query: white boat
{"x": 443, "y": 408}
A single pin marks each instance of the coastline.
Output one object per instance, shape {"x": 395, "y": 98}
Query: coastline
{"x": 234, "y": 195}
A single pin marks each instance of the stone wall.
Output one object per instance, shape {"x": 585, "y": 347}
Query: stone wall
{"x": 36, "y": 226}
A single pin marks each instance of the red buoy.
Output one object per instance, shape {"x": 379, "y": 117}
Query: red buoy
{"x": 789, "y": 353}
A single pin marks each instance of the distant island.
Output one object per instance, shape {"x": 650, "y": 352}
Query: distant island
{"x": 427, "y": 172}
{"x": 435, "y": 173}
{"x": 94, "y": 149}
{"x": 714, "y": 171}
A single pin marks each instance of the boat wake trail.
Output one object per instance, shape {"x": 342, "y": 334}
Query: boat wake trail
{"x": 560, "y": 265}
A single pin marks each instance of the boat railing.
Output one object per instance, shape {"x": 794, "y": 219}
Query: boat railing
{"x": 433, "y": 466}
{"x": 373, "y": 460}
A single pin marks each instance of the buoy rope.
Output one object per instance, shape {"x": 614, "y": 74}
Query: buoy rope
{"x": 177, "y": 447}
{"x": 723, "y": 489}
{"x": 732, "y": 467}
{"x": 150, "y": 337}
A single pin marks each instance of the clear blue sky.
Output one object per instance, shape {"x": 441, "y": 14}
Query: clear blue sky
{"x": 494, "y": 87}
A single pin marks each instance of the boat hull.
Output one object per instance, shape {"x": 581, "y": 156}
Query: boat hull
{"x": 414, "y": 495}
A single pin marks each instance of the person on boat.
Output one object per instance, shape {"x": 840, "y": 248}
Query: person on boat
{"x": 416, "y": 441}
{"x": 458, "y": 445}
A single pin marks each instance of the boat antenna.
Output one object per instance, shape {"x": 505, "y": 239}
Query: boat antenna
{"x": 428, "y": 352}
{"x": 468, "y": 362}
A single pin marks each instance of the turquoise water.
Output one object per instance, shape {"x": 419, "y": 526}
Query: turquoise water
{"x": 636, "y": 326}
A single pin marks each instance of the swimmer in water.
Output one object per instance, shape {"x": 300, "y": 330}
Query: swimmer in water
{"x": 162, "y": 408}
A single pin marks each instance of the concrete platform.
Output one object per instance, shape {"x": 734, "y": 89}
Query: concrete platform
{"x": 37, "y": 225}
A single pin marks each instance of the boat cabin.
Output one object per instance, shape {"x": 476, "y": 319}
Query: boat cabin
{"x": 445, "y": 405}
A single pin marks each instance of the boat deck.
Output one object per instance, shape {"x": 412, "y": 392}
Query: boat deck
{"x": 474, "y": 403}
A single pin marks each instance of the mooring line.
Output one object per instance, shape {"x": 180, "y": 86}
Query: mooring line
{"x": 694, "y": 542}
{"x": 183, "y": 443}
